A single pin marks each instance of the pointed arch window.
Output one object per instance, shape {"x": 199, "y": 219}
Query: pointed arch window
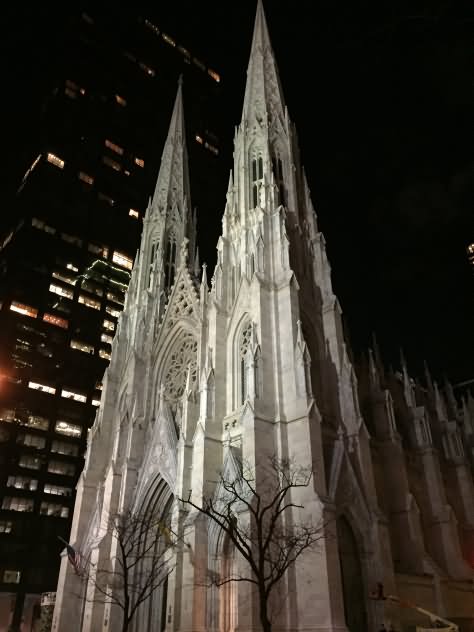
{"x": 244, "y": 347}
{"x": 279, "y": 179}
{"x": 154, "y": 249}
{"x": 257, "y": 178}
{"x": 170, "y": 262}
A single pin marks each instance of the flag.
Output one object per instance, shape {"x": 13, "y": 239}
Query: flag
{"x": 73, "y": 556}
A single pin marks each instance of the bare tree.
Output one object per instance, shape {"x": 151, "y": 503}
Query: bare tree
{"x": 140, "y": 564}
{"x": 271, "y": 540}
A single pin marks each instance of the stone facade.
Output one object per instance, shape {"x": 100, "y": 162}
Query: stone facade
{"x": 258, "y": 366}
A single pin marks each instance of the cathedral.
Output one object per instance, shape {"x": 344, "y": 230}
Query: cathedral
{"x": 251, "y": 364}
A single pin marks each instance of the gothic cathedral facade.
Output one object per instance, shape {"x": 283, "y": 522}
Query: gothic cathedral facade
{"x": 257, "y": 366}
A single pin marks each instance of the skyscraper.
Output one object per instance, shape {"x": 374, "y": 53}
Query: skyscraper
{"x": 201, "y": 381}
{"x": 65, "y": 264}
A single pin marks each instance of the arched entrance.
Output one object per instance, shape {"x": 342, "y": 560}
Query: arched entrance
{"x": 352, "y": 580}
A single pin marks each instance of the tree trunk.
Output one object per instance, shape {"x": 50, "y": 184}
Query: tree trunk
{"x": 264, "y": 620}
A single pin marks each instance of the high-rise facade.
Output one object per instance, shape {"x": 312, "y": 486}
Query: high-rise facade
{"x": 201, "y": 380}
{"x": 65, "y": 264}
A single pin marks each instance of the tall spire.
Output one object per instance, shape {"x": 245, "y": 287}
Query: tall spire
{"x": 172, "y": 187}
{"x": 263, "y": 94}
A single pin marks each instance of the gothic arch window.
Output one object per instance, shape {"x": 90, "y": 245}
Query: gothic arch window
{"x": 257, "y": 178}
{"x": 154, "y": 249}
{"x": 181, "y": 359}
{"x": 228, "y": 590}
{"x": 243, "y": 377}
{"x": 170, "y": 261}
{"x": 279, "y": 178}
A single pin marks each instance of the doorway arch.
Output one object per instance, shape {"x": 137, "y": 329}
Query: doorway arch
{"x": 351, "y": 577}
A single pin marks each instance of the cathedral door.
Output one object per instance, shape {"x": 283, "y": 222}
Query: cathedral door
{"x": 352, "y": 580}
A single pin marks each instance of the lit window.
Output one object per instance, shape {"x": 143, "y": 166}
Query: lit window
{"x": 55, "y": 320}
{"x": 106, "y": 338}
{"x": 140, "y": 162}
{"x": 184, "y": 51}
{"x": 33, "y": 441}
{"x": 116, "y": 148}
{"x": 86, "y": 178}
{"x": 96, "y": 402}
{"x": 126, "y": 172}
{"x": 120, "y": 100}
{"x": 471, "y": 248}
{"x": 73, "y": 395}
{"x": 103, "y": 251}
{"x": 108, "y": 324}
{"x": 64, "y": 277}
{"x": 26, "y": 310}
{"x": 41, "y": 387}
{"x": 133, "y": 213}
{"x": 61, "y": 291}
{"x": 82, "y": 346}
{"x": 22, "y": 482}
{"x": 106, "y": 198}
{"x": 8, "y": 414}
{"x": 214, "y": 75}
{"x": 11, "y": 577}
{"x": 61, "y": 467}
{"x": 71, "y": 239}
{"x": 30, "y": 462}
{"x": 90, "y": 302}
{"x": 169, "y": 40}
{"x": 52, "y": 509}
{"x": 149, "y": 71}
{"x": 122, "y": 260}
{"x": 35, "y": 421}
{"x": 71, "y": 266}
{"x": 67, "y": 428}
{"x": 104, "y": 354}
{"x": 63, "y": 447}
{"x": 111, "y": 163}
{"x": 57, "y": 490}
{"x": 55, "y": 160}
{"x": 17, "y": 504}
{"x": 99, "y": 386}
{"x": 199, "y": 139}
{"x": 115, "y": 297}
{"x": 6, "y": 526}
{"x": 112, "y": 311}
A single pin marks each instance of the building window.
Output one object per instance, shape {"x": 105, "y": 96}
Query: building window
{"x": 32, "y": 441}
{"x": 170, "y": 263}
{"x": 35, "y": 421}
{"x": 55, "y": 320}
{"x": 62, "y": 447}
{"x": 86, "y": 177}
{"x": 90, "y": 287}
{"x": 64, "y": 277}
{"x": 82, "y": 346}
{"x": 214, "y": 75}
{"x": 109, "y": 325}
{"x": 61, "y": 467}
{"x": 57, "y": 490}
{"x": 120, "y": 100}
{"x": 23, "y": 482}
{"x": 77, "y": 397}
{"x": 30, "y": 462}
{"x": 53, "y": 509}
{"x": 90, "y": 302}
{"x": 114, "y": 147}
{"x": 111, "y": 163}
{"x": 61, "y": 291}
{"x": 6, "y": 526}
{"x": 71, "y": 239}
{"x": 11, "y": 577}
{"x": 26, "y": 310}
{"x": 122, "y": 260}
{"x": 67, "y": 428}
{"x": 55, "y": 160}
{"x": 112, "y": 311}
{"x": 111, "y": 296}
{"x": 96, "y": 402}
{"x": 104, "y": 354}
{"x": 140, "y": 162}
{"x": 102, "y": 251}
{"x": 106, "y": 338}
{"x": 36, "y": 386}
{"x": 257, "y": 177}
{"x": 133, "y": 213}
{"x": 72, "y": 89}
{"x": 17, "y": 504}
{"x": 245, "y": 339}
{"x": 38, "y": 223}
{"x": 71, "y": 266}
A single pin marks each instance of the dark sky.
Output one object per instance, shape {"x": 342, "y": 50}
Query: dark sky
{"x": 382, "y": 96}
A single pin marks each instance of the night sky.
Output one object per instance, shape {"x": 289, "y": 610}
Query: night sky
{"x": 382, "y": 96}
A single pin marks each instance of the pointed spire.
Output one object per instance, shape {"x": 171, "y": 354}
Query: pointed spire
{"x": 374, "y": 378}
{"x": 196, "y": 263}
{"x": 263, "y": 94}
{"x": 172, "y": 186}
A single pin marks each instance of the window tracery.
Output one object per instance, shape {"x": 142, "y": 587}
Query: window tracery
{"x": 182, "y": 358}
